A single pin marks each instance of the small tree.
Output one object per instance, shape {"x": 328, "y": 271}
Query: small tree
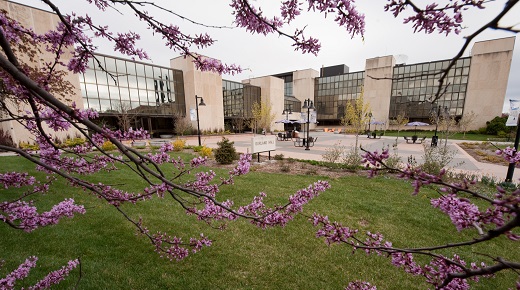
{"x": 238, "y": 124}
{"x": 263, "y": 116}
{"x": 356, "y": 116}
{"x": 125, "y": 119}
{"x": 465, "y": 121}
{"x": 181, "y": 124}
{"x": 226, "y": 152}
{"x": 399, "y": 122}
{"x": 447, "y": 127}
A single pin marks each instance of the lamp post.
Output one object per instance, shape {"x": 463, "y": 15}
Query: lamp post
{"x": 286, "y": 112}
{"x": 511, "y": 167}
{"x": 308, "y": 104}
{"x": 197, "y": 109}
{"x": 437, "y": 117}
{"x": 369, "y": 121}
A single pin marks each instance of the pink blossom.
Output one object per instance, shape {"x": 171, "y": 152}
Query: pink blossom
{"x": 20, "y": 273}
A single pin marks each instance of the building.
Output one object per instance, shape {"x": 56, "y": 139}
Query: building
{"x": 153, "y": 97}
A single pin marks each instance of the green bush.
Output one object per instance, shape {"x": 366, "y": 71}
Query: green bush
{"x": 496, "y": 125}
{"x": 226, "y": 152}
{"x": 436, "y": 158}
{"x": 278, "y": 157}
{"x": 197, "y": 148}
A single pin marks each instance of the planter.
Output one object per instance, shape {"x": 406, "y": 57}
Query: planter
{"x": 139, "y": 144}
{"x": 158, "y": 143}
{"x": 166, "y": 136}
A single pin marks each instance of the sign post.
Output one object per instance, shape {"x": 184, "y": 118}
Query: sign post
{"x": 515, "y": 107}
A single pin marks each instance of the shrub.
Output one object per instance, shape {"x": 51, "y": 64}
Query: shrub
{"x": 178, "y": 145}
{"x": 108, "y": 146}
{"x": 394, "y": 161}
{"x": 226, "y": 152}
{"x": 5, "y": 138}
{"x": 488, "y": 180}
{"x": 352, "y": 158}
{"x": 332, "y": 154}
{"x": 197, "y": 148}
{"x": 278, "y": 157}
{"x": 496, "y": 125}
{"x": 205, "y": 151}
{"x": 436, "y": 158}
{"x": 74, "y": 142}
{"x": 507, "y": 185}
{"x": 502, "y": 134}
{"x": 285, "y": 167}
{"x": 28, "y": 146}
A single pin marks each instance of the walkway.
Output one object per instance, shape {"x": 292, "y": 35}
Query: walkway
{"x": 461, "y": 160}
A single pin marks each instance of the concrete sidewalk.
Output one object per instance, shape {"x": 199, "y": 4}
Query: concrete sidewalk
{"x": 461, "y": 161}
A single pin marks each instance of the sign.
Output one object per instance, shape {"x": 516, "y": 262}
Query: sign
{"x": 263, "y": 144}
{"x": 514, "y": 108}
{"x": 193, "y": 115}
{"x": 312, "y": 114}
{"x": 303, "y": 117}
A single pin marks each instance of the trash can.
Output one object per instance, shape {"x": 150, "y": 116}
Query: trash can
{"x": 434, "y": 141}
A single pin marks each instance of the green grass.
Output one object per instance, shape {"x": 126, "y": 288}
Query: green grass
{"x": 456, "y": 136}
{"x": 242, "y": 256}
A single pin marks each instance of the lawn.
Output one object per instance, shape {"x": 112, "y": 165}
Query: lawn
{"x": 242, "y": 256}
{"x": 457, "y": 136}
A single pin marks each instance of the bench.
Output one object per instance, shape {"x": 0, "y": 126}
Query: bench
{"x": 300, "y": 142}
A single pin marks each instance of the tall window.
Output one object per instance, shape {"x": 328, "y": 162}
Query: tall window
{"x": 332, "y": 93}
{"x": 238, "y": 99}
{"x": 414, "y": 86}
{"x": 136, "y": 86}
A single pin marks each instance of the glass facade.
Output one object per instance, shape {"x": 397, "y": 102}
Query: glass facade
{"x": 238, "y": 99}
{"x": 137, "y": 87}
{"x": 332, "y": 93}
{"x": 292, "y": 104}
{"x": 413, "y": 86}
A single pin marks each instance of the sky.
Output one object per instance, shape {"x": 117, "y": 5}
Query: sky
{"x": 263, "y": 55}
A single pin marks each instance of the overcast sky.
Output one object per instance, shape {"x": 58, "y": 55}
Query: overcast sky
{"x": 267, "y": 55}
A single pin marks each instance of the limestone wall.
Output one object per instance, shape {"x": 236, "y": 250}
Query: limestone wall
{"x": 40, "y": 21}
{"x": 488, "y": 77}
{"x": 207, "y": 85}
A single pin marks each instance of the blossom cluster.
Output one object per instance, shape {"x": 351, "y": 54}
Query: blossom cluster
{"x": 16, "y": 179}
{"x": 433, "y": 17}
{"x": 24, "y": 215}
{"x": 280, "y": 215}
{"x": 173, "y": 248}
{"x": 53, "y": 278}
{"x": 436, "y": 271}
{"x": 509, "y": 154}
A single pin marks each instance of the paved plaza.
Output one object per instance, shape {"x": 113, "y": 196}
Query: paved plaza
{"x": 461, "y": 160}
